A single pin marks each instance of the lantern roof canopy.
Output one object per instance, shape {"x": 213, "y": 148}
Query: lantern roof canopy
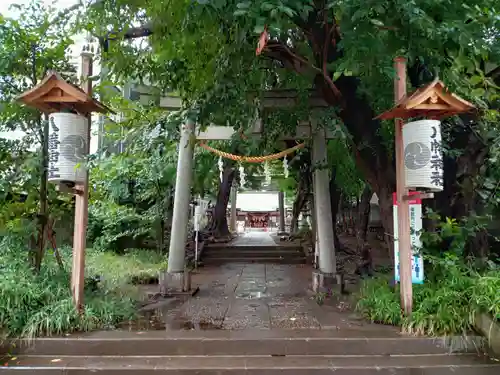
{"x": 433, "y": 101}
{"x": 55, "y": 94}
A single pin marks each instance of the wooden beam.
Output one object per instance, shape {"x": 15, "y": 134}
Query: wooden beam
{"x": 57, "y": 99}
{"x": 171, "y": 102}
{"x": 425, "y": 106}
{"x": 217, "y": 132}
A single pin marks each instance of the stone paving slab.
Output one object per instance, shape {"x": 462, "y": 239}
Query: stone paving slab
{"x": 252, "y": 296}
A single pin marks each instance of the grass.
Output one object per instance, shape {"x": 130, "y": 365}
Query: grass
{"x": 132, "y": 267}
{"x": 444, "y": 305}
{"x": 41, "y": 305}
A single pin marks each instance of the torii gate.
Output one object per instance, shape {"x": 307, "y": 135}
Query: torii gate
{"x": 177, "y": 278}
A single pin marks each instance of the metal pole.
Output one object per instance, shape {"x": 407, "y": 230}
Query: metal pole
{"x": 404, "y": 243}
{"x": 196, "y": 250}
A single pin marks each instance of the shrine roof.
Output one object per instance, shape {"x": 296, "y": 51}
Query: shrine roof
{"x": 55, "y": 94}
{"x": 433, "y": 101}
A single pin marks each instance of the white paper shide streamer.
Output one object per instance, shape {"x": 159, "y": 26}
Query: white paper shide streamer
{"x": 423, "y": 155}
{"x": 285, "y": 167}
{"x": 242, "y": 176}
{"x": 267, "y": 173}
{"x": 221, "y": 168}
{"x": 68, "y": 148}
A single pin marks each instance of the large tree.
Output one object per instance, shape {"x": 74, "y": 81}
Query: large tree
{"x": 344, "y": 50}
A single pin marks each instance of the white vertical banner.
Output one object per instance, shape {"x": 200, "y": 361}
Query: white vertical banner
{"x": 417, "y": 263}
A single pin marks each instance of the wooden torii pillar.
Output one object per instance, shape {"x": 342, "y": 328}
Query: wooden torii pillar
{"x": 432, "y": 101}
{"x": 54, "y": 94}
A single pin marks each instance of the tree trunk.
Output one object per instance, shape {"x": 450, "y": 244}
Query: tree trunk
{"x": 370, "y": 154}
{"x": 42, "y": 213}
{"x": 219, "y": 227}
{"x": 301, "y": 198}
{"x": 363, "y": 216}
{"x": 335, "y": 197}
{"x": 385, "y": 203}
{"x": 51, "y": 236}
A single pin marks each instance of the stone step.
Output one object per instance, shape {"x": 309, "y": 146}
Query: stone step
{"x": 241, "y": 342}
{"x": 251, "y": 254}
{"x": 251, "y": 248}
{"x": 254, "y": 365}
{"x": 273, "y": 260}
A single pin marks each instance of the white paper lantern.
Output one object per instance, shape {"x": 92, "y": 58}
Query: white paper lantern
{"x": 423, "y": 155}
{"x": 68, "y": 148}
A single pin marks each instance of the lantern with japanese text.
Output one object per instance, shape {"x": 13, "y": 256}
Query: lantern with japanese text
{"x": 423, "y": 156}
{"x": 68, "y": 148}
{"x": 68, "y": 108}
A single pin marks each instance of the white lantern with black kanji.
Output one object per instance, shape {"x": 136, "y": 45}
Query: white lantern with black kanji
{"x": 423, "y": 155}
{"x": 68, "y": 148}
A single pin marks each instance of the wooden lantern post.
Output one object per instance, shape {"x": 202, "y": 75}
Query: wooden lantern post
{"x": 432, "y": 101}
{"x": 401, "y": 191}
{"x": 54, "y": 94}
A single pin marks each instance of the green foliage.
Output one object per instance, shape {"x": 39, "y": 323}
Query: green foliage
{"x": 132, "y": 191}
{"x": 445, "y": 306}
{"x": 34, "y": 305}
{"x": 454, "y": 291}
{"x": 30, "y": 45}
{"x": 379, "y": 303}
{"x": 347, "y": 174}
{"x": 133, "y": 266}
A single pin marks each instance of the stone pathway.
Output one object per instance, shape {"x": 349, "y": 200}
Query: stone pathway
{"x": 253, "y": 239}
{"x": 249, "y": 296}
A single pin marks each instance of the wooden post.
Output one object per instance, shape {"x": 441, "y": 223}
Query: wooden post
{"x": 81, "y": 202}
{"x": 404, "y": 242}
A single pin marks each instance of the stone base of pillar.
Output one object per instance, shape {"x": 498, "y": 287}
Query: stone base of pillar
{"x": 324, "y": 283}
{"x": 176, "y": 283}
{"x": 283, "y": 234}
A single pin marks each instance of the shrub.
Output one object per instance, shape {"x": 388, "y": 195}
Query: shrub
{"x": 113, "y": 226}
{"x": 379, "y": 303}
{"x": 443, "y": 305}
{"x": 35, "y": 305}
